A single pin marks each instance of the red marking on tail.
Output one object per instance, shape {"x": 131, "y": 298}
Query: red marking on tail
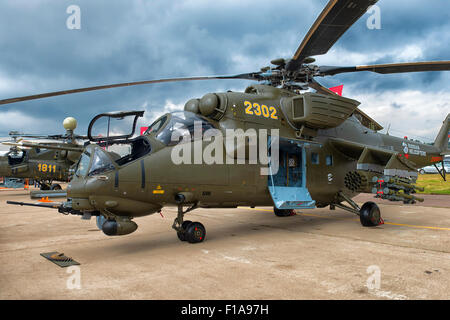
{"x": 338, "y": 89}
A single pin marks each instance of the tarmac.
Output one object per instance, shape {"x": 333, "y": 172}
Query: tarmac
{"x": 248, "y": 254}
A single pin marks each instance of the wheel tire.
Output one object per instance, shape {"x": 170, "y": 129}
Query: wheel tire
{"x": 421, "y": 171}
{"x": 282, "y": 212}
{"x": 186, "y": 224}
{"x": 182, "y": 234}
{"x": 195, "y": 233}
{"x": 44, "y": 187}
{"x": 370, "y": 215}
{"x": 55, "y": 187}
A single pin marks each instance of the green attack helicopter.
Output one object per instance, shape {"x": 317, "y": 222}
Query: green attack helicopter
{"x": 321, "y": 149}
{"x": 43, "y": 162}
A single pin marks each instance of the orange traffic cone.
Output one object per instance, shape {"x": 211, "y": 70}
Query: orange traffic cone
{"x": 45, "y": 200}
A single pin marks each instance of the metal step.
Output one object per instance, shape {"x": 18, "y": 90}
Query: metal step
{"x": 291, "y": 198}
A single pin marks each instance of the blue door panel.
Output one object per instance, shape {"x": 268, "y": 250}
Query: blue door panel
{"x": 288, "y": 185}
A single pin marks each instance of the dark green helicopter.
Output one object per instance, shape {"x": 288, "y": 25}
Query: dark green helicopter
{"x": 321, "y": 149}
{"x": 42, "y": 162}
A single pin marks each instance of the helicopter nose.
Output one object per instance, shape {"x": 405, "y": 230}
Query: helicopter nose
{"x": 75, "y": 188}
{"x": 76, "y": 191}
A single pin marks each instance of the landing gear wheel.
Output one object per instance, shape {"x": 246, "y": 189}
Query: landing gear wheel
{"x": 182, "y": 234}
{"x": 283, "y": 212}
{"x": 55, "y": 186}
{"x": 186, "y": 224}
{"x": 370, "y": 215}
{"x": 195, "y": 232}
{"x": 44, "y": 186}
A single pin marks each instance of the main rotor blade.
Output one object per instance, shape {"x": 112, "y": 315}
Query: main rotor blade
{"x": 389, "y": 68}
{"x": 35, "y": 136}
{"x": 53, "y": 137}
{"x": 247, "y": 76}
{"x": 335, "y": 19}
{"x": 45, "y": 146}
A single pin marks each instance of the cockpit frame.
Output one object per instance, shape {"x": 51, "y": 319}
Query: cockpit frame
{"x": 117, "y": 139}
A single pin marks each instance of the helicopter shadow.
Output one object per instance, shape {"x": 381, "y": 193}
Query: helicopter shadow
{"x": 232, "y": 231}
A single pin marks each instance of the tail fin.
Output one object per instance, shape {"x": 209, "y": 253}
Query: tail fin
{"x": 441, "y": 141}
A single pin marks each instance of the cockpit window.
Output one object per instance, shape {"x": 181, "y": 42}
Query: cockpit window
{"x": 100, "y": 163}
{"x": 181, "y": 126}
{"x": 156, "y": 125}
{"x": 83, "y": 164}
{"x": 15, "y": 158}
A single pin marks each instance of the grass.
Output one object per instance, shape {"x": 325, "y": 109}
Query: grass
{"x": 434, "y": 184}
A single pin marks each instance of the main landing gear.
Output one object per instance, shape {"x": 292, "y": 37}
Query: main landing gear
{"x": 44, "y": 185}
{"x": 283, "y": 212}
{"x": 192, "y": 232}
{"x": 369, "y": 214}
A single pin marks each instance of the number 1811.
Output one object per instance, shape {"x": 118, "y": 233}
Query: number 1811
{"x": 46, "y": 168}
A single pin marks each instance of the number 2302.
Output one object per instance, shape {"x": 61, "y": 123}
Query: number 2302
{"x": 258, "y": 110}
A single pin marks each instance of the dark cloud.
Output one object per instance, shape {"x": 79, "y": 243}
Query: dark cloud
{"x": 135, "y": 40}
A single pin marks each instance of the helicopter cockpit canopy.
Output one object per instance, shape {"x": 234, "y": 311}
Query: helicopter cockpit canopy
{"x": 93, "y": 161}
{"x": 140, "y": 146}
{"x": 100, "y": 163}
{"x": 15, "y": 158}
{"x": 178, "y": 126}
{"x": 108, "y": 138}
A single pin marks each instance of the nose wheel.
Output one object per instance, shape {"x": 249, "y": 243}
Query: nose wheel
{"x": 182, "y": 234}
{"x": 55, "y": 186}
{"x": 192, "y": 232}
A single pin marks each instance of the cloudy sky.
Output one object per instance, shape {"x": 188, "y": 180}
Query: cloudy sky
{"x": 130, "y": 40}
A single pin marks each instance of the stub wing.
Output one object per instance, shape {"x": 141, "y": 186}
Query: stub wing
{"x": 374, "y": 159}
{"x": 385, "y": 173}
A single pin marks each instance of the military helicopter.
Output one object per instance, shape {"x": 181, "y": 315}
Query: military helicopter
{"x": 42, "y": 162}
{"x": 327, "y": 149}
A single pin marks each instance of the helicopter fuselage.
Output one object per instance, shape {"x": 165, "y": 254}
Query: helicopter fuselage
{"x": 37, "y": 164}
{"x": 316, "y": 157}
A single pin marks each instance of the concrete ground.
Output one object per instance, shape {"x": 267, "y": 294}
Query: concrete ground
{"x": 249, "y": 254}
